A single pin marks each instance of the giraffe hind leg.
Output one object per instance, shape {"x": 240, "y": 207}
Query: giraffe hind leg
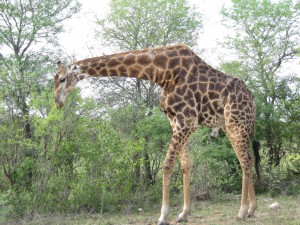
{"x": 241, "y": 147}
{"x": 251, "y": 194}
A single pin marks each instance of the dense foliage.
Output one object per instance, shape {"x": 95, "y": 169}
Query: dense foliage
{"x": 105, "y": 153}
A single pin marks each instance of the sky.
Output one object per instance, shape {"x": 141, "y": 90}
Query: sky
{"x": 79, "y": 35}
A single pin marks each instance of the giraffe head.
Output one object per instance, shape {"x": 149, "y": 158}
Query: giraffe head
{"x": 65, "y": 80}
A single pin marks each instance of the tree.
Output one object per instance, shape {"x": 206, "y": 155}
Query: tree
{"x": 28, "y": 33}
{"x": 132, "y": 25}
{"x": 143, "y": 24}
{"x": 26, "y": 27}
{"x": 266, "y": 36}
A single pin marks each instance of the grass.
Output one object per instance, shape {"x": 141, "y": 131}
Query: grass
{"x": 204, "y": 213}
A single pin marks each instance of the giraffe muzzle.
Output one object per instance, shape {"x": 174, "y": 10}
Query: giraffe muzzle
{"x": 59, "y": 103}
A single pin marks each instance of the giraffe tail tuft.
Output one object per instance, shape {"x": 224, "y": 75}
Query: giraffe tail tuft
{"x": 255, "y": 146}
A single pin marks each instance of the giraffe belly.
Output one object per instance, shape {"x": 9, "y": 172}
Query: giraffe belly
{"x": 211, "y": 121}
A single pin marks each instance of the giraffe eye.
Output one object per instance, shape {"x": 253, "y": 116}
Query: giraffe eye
{"x": 62, "y": 80}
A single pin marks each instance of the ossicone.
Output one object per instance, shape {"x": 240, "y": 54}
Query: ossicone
{"x": 60, "y": 65}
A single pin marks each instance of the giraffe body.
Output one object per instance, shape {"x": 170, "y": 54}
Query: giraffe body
{"x": 193, "y": 94}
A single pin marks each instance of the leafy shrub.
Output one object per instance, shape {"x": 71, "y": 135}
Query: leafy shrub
{"x": 5, "y": 205}
{"x": 281, "y": 179}
{"x": 215, "y": 165}
{"x": 19, "y": 204}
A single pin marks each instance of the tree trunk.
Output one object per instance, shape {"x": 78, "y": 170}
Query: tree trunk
{"x": 136, "y": 170}
{"x": 148, "y": 174}
{"x": 147, "y": 165}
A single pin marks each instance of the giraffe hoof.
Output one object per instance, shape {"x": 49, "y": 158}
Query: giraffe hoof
{"x": 250, "y": 215}
{"x": 251, "y": 212}
{"x": 240, "y": 218}
{"x": 242, "y": 214}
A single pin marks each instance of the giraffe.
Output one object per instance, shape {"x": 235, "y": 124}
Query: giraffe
{"x": 193, "y": 94}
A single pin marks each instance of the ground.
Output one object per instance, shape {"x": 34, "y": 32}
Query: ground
{"x": 204, "y": 213}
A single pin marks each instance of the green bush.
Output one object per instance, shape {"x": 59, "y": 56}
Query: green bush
{"x": 215, "y": 165}
{"x": 19, "y": 204}
{"x": 6, "y": 208}
{"x": 279, "y": 180}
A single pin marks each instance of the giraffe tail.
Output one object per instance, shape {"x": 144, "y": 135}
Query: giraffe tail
{"x": 255, "y": 146}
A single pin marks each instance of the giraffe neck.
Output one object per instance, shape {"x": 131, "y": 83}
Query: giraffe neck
{"x": 159, "y": 65}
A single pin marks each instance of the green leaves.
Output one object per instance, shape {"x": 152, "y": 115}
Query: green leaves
{"x": 131, "y": 25}
{"x": 266, "y": 32}
{"x": 267, "y": 36}
{"x": 24, "y": 23}
{"x": 141, "y": 24}
{"x": 30, "y": 130}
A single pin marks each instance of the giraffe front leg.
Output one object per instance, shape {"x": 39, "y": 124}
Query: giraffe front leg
{"x": 167, "y": 172}
{"x": 163, "y": 219}
{"x": 186, "y": 171}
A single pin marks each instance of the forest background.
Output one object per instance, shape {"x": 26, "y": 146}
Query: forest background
{"x": 104, "y": 152}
